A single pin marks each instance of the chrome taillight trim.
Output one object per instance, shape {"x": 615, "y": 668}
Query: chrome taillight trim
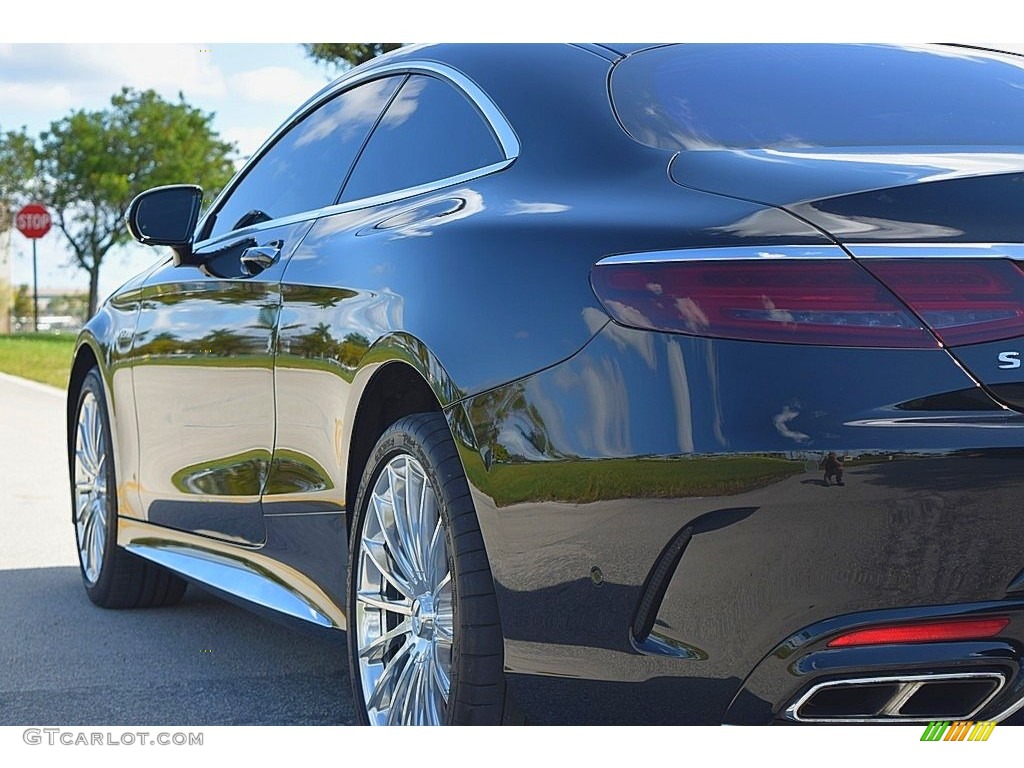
{"x": 725, "y": 253}
{"x": 1014, "y": 251}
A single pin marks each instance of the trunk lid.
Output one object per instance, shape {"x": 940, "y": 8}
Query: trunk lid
{"x": 875, "y": 194}
{"x": 943, "y": 230}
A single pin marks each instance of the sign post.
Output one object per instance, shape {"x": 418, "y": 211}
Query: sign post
{"x": 33, "y": 221}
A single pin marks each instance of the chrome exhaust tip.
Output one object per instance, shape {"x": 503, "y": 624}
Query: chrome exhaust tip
{"x": 897, "y": 698}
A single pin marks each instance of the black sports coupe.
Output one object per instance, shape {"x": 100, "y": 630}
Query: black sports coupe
{"x": 593, "y": 383}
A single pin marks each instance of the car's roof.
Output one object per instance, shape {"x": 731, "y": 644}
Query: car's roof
{"x": 624, "y": 49}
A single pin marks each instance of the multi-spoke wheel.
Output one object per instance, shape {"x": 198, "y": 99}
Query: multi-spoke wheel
{"x": 92, "y": 506}
{"x": 410, "y": 636}
{"x": 404, "y": 600}
{"x": 113, "y": 578}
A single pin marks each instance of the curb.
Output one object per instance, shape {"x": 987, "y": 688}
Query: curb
{"x": 46, "y": 389}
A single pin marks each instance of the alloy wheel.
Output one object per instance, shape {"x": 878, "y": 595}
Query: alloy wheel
{"x": 92, "y": 505}
{"x": 404, "y": 608}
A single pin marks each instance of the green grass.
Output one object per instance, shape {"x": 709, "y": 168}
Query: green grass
{"x": 40, "y": 357}
{"x": 582, "y": 481}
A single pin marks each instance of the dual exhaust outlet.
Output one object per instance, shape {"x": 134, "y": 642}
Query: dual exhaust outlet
{"x": 904, "y": 698}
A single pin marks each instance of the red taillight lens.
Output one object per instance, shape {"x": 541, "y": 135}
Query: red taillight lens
{"x": 923, "y": 632}
{"x": 965, "y": 301}
{"x": 800, "y": 301}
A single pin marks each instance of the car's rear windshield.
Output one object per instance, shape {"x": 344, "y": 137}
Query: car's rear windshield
{"x": 805, "y": 96}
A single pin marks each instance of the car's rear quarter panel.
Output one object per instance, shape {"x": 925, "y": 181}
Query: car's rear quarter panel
{"x": 600, "y": 461}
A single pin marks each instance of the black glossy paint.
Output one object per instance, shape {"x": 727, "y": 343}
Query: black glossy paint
{"x": 202, "y": 370}
{"x": 682, "y": 468}
{"x": 608, "y": 456}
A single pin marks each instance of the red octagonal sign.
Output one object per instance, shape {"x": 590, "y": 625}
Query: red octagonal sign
{"x": 33, "y": 221}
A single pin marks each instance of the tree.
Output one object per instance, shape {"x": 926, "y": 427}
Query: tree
{"x": 89, "y": 165}
{"x": 346, "y": 55}
{"x": 22, "y": 302}
{"x": 17, "y": 161}
{"x": 75, "y": 305}
{"x": 18, "y": 158}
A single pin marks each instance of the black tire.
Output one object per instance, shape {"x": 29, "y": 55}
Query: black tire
{"x": 123, "y": 580}
{"x": 477, "y": 691}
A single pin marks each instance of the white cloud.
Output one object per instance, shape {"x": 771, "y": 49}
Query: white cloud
{"x": 275, "y": 85}
{"x": 50, "y": 96}
{"x": 165, "y": 68}
{"x": 34, "y": 74}
{"x": 248, "y": 137}
{"x": 358, "y": 109}
{"x": 401, "y": 108}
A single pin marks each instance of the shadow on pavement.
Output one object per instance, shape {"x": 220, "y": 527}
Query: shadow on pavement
{"x": 203, "y": 662}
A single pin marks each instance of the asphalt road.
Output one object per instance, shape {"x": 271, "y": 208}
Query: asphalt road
{"x": 65, "y": 662}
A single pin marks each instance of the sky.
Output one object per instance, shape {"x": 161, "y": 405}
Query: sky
{"x": 250, "y": 88}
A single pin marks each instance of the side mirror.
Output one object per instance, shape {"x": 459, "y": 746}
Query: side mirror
{"x": 167, "y": 216}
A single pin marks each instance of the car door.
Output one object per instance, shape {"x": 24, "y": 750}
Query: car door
{"x": 204, "y": 348}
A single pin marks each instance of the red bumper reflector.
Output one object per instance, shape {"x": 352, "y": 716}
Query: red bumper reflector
{"x": 923, "y": 632}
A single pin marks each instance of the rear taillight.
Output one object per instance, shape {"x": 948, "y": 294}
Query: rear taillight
{"x": 831, "y": 301}
{"x": 965, "y": 301}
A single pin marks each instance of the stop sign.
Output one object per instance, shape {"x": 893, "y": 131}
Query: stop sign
{"x": 33, "y": 221}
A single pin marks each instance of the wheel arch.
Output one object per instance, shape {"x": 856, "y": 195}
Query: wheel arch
{"x": 90, "y": 353}
{"x": 398, "y": 376}
{"x": 85, "y": 359}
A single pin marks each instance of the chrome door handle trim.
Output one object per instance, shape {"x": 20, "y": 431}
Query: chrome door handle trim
{"x": 256, "y": 259}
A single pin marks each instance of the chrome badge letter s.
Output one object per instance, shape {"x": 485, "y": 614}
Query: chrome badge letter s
{"x": 1009, "y": 359}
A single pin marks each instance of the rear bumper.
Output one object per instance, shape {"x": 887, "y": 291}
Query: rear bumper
{"x": 670, "y": 483}
{"x": 981, "y": 678}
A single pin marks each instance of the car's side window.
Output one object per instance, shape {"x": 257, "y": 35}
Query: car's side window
{"x": 305, "y": 168}
{"x": 430, "y": 132}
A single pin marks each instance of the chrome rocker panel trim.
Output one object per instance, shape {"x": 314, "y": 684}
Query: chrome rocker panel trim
{"x": 245, "y": 574}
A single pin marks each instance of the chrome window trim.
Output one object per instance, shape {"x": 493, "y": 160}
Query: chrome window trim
{"x": 742, "y": 253}
{"x": 1013, "y": 251}
{"x": 355, "y": 205}
{"x": 901, "y": 696}
{"x": 489, "y": 111}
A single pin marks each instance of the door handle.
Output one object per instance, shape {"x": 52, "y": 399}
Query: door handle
{"x": 124, "y": 338}
{"x": 258, "y": 258}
